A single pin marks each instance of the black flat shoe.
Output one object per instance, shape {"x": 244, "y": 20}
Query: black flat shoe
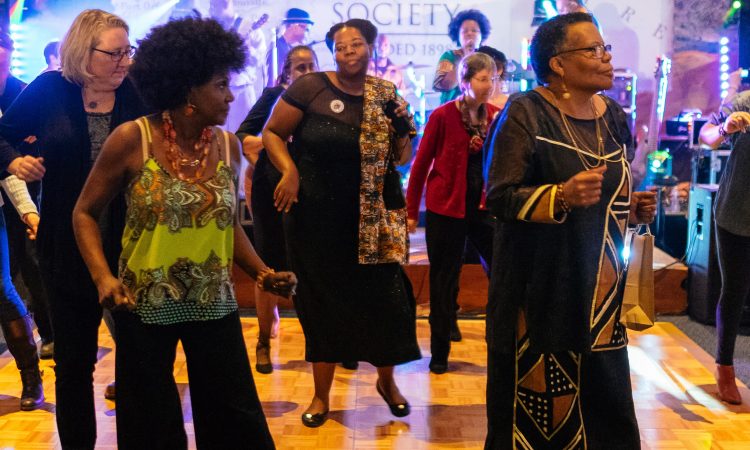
{"x": 438, "y": 367}
{"x": 455, "y": 333}
{"x": 263, "y": 358}
{"x": 350, "y": 365}
{"x": 397, "y": 409}
{"x": 314, "y": 420}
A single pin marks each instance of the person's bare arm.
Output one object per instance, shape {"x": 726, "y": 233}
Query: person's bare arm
{"x": 445, "y": 76}
{"x": 117, "y": 163}
{"x": 244, "y": 254}
{"x": 283, "y": 121}
{"x": 710, "y": 134}
{"x": 251, "y": 147}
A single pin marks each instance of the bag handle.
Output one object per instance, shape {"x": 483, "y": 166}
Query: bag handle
{"x": 640, "y": 227}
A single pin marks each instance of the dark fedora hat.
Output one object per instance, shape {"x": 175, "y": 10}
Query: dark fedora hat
{"x": 296, "y": 15}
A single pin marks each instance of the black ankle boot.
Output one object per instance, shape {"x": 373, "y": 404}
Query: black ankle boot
{"x": 32, "y": 395}
{"x": 440, "y": 349}
{"x": 20, "y": 339}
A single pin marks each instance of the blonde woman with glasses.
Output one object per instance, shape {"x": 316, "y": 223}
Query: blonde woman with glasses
{"x": 71, "y": 112}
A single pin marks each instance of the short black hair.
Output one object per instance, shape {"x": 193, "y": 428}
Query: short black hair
{"x": 501, "y": 61}
{"x": 183, "y": 54}
{"x": 454, "y": 27}
{"x": 549, "y": 39}
{"x": 365, "y": 27}
{"x": 51, "y": 49}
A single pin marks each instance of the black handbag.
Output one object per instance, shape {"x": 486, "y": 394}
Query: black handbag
{"x": 393, "y": 195}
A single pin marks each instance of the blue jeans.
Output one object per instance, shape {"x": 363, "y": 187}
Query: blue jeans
{"x": 11, "y": 305}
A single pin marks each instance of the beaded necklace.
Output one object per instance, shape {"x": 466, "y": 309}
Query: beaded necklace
{"x": 177, "y": 159}
{"x": 478, "y": 132}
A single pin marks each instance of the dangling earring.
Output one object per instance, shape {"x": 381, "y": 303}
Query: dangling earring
{"x": 190, "y": 109}
{"x": 565, "y": 94}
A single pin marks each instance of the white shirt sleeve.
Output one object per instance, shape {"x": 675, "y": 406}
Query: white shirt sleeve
{"x": 19, "y": 196}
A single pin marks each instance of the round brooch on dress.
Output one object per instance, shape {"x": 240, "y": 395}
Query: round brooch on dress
{"x": 337, "y": 106}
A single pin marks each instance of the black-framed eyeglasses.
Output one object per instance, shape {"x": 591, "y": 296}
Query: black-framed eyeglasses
{"x": 119, "y": 54}
{"x": 596, "y": 51}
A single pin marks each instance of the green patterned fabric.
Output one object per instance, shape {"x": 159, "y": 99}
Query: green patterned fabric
{"x": 178, "y": 244}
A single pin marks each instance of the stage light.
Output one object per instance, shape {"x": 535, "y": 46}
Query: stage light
{"x": 549, "y": 9}
{"x": 724, "y": 67}
{"x": 737, "y": 4}
{"x": 18, "y": 61}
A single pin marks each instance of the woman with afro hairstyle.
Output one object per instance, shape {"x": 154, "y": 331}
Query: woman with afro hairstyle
{"x": 468, "y": 29}
{"x": 178, "y": 171}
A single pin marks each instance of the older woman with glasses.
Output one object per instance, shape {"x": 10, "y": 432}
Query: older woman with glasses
{"x": 560, "y": 187}
{"x": 450, "y": 160}
{"x": 71, "y": 112}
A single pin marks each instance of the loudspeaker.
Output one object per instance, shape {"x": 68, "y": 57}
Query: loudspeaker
{"x": 704, "y": 278}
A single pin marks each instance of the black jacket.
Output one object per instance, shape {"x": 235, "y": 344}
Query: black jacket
{"x": 51, "y": 108}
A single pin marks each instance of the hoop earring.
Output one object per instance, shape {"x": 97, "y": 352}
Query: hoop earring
{"x": 190, "y": 109}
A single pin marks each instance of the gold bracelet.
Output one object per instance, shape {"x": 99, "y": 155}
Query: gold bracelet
{"x": 564, "y": 205}
{"x": 261, "y": 277}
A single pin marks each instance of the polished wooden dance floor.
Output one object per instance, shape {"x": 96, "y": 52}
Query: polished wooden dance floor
{"x": 673, "y": 384}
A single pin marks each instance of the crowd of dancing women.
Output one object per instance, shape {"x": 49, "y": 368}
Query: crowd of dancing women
{"x": 139, "y": 220}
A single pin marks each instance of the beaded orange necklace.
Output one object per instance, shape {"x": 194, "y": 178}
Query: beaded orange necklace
{"x": 177, "y": 159}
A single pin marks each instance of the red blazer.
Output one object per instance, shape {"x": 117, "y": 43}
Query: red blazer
{"x": 445, "y": 147}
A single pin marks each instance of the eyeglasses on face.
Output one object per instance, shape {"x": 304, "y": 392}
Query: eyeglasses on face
{"x": 487, "y": 79}
{"x": 596, "y": 51}
{"x": 119, "y": 54}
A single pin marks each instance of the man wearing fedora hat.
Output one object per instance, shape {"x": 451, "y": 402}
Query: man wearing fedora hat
{"x": 296, "y": 25}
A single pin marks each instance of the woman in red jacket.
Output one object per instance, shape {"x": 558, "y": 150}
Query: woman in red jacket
{"x": 452, "y": 145}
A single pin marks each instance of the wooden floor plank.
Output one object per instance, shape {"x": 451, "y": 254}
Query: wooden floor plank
{"x": 673, "y": 389}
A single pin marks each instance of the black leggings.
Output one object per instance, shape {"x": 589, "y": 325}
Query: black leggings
{"x": 734, "y": 263}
